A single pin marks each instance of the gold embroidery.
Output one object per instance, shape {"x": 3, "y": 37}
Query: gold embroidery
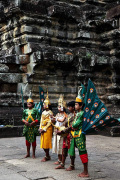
{"x": 29, "y": 116}
{"x": 73, "y": 132}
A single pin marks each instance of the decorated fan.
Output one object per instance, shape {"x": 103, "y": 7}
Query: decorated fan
{"x": 83, "y": 92}
{"x": 41, "y": 94}
{"x": 22, "y": 98}
{"x": 39, "y": 105}
{"x": 96, "y": 115}
{"x": 119, "y": 119}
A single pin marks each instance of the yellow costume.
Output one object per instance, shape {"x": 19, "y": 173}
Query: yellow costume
{"x": 46, "y": 137}
{"x": 46, "y": 125}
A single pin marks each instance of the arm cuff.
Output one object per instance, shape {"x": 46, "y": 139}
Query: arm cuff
{"x": 36, "y": 121}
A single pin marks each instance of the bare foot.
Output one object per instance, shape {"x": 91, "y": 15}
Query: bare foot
{"x": 60, "y": 167}
{"x": 33, "y": 156}
{"x": 83, "y": 174}
{"x": 71, "y": 168}
{"x": 57, "y": 163}
{"x": 45, "y": 159}
{"x": 27, "y": 155}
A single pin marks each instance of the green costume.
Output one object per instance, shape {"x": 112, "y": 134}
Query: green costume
{"x": 30, "y": 132}
{"x": 78, "y": 139}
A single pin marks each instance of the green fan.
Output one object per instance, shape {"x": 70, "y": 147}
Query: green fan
{"x": 96, "y": 115}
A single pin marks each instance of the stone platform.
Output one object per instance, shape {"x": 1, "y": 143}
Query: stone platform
{"x": 103, "y": 152}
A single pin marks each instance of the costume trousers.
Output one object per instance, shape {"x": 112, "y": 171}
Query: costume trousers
{"x": 80, "y": 144}
{"x": 29, "y": 144}
{"x": 57, "y": 144}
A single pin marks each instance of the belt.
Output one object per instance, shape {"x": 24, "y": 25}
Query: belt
{"x": 78, "y": 135}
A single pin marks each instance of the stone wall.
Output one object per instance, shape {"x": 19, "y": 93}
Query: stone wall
{"x": 57, "y": 45}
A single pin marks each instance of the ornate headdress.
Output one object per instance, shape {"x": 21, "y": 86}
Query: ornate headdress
{"x": 61, "y": 102}
{"x": 30, "y": 98}
{"x": 79, "y": 97}
{"x": 47, "y": 101}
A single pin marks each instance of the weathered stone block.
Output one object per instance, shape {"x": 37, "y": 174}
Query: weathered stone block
{"x": 103, "y": 60}
{"x": 36, "y": 57}
{"x": 4, "y": 68}
{"x": 23, "y": 68}
{"x": 16, "y": 32}
{"x": 27, "y": 49}
{"x": 14, "y": 59}
{"x": 10, "y": 78}
{"x": 18, "y": 50}
{"x": 23, "y": 59}
{"x": 8, "y": 87}
{"x": 115, "y": 11}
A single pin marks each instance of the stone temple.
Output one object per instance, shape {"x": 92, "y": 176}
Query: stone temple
{"x": 58, "y": 44}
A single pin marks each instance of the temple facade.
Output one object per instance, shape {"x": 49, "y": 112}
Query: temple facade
{"x": 58, "y": 45}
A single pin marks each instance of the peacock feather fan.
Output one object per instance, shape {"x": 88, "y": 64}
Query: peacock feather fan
{"x": 39, "y": 105}
{"x": 83, "y": 92}
{"x": 96, "y": 115}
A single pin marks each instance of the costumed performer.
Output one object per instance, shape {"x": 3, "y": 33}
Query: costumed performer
{"x": 67, "y": 137}
{"x": 58, "y": 139}
{"x": 46, "y": 129}
{"x": 79, "y": 139}
{"x": 30, "y": 118}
